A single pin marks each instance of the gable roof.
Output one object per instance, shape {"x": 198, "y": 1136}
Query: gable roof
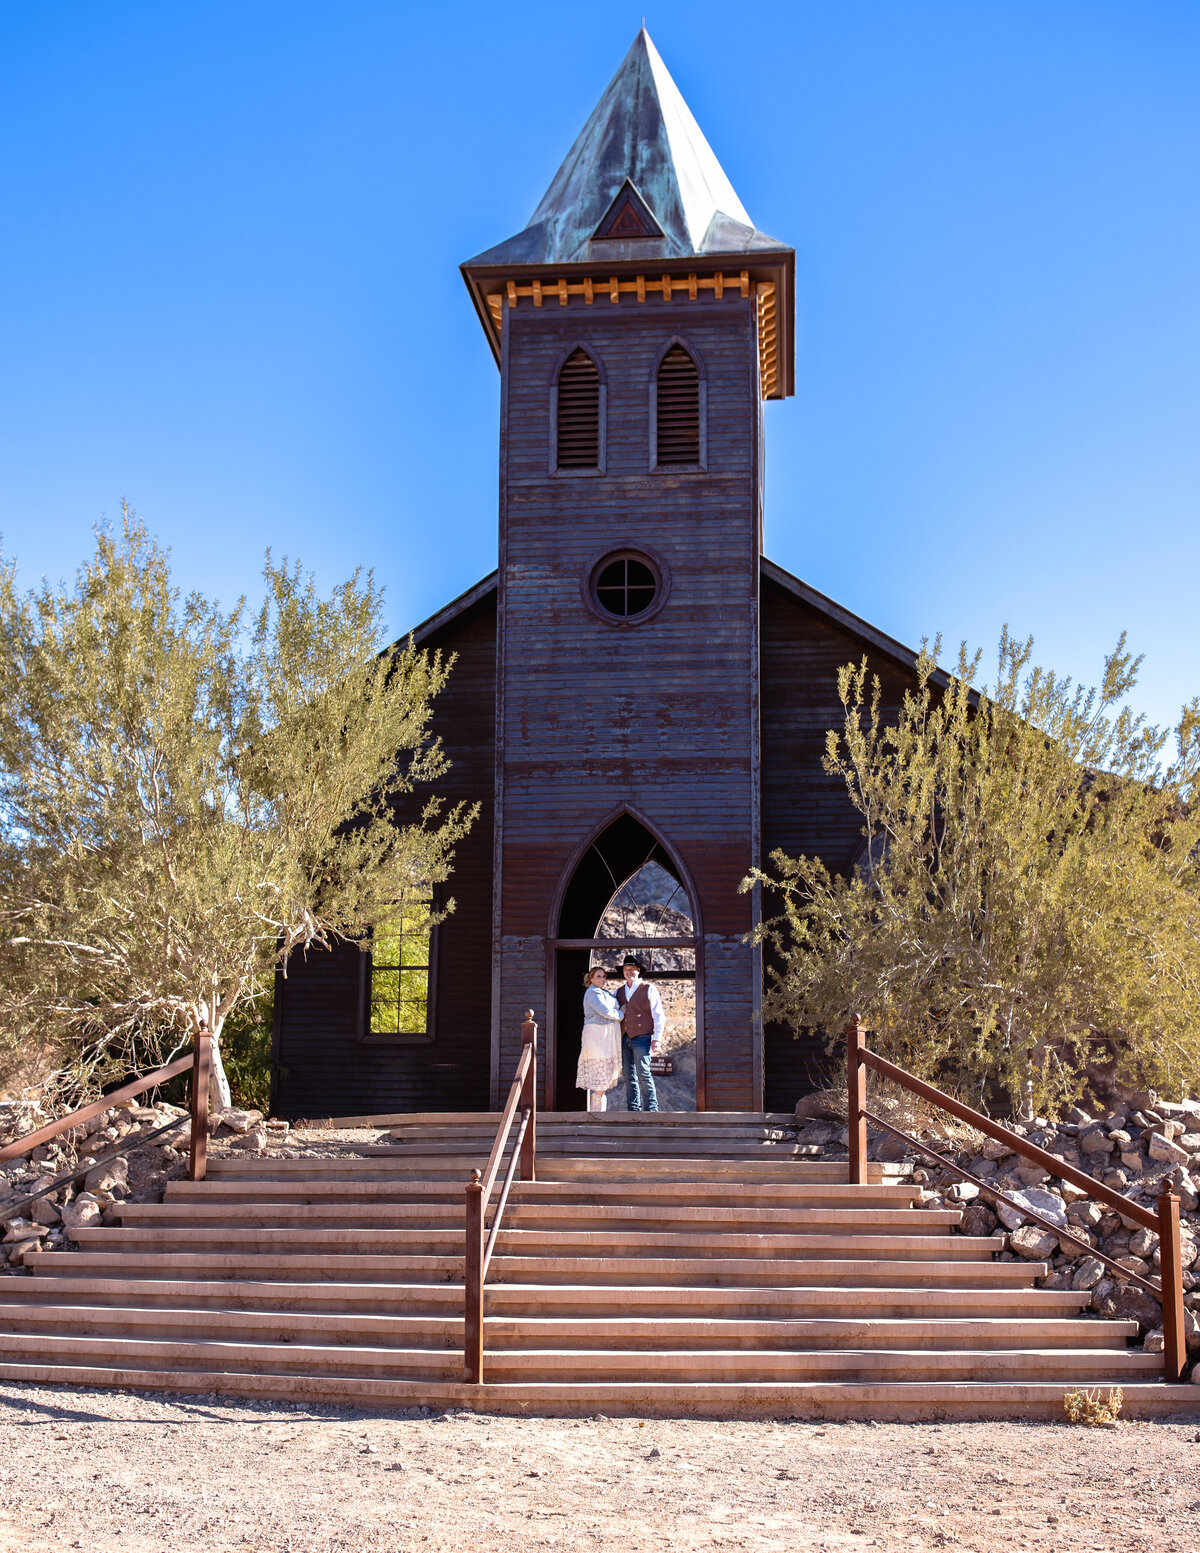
{"x": 835, "y": 613}
{"x": 446, "y": 616}
{"x": 641, "y": 132}
{"x": 855, "y": 624}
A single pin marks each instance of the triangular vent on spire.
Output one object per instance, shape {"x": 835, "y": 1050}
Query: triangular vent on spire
{"x": 628, "y": 216}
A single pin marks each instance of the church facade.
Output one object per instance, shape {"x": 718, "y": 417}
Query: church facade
{"x": 639, "y": 693}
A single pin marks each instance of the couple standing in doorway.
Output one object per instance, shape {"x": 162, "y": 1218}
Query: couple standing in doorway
{"x": 620, "y": 1035}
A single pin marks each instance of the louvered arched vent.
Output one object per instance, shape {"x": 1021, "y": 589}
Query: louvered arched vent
{"x": 678, "y": 418}
{"x": 579, "y": 413}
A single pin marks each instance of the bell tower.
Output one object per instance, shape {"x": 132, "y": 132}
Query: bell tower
{"x": 639, "y": 320}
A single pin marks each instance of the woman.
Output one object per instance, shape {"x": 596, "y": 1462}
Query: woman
{"x": 600, "y": 1053}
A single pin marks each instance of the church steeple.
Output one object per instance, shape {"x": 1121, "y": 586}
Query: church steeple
{"x": 640, "y": 189}
{"x": 640, "y": 133}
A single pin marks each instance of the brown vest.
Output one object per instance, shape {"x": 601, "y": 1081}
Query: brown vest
{"x": 638, "y": 1018}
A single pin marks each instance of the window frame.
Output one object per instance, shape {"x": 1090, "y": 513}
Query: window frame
{"x": 634, "y": 551}
{"x": 366, "y": 968}
{"x": 602, "y": 426}
{"x": 702, "y": 383}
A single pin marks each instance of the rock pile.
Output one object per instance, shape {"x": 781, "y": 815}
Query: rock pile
{"x": 96, "y": 1185}
{"x": 1131, "y": 1150}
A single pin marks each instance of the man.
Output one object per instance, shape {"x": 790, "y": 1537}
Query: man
{"x": 641, "y": 1035}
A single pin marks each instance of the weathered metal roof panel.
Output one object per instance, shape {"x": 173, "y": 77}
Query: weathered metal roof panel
{"x": 642, "y": 131}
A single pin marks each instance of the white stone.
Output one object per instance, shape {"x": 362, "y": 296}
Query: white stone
{"x": 239, "y": 1121}
{"x": 1154, "y": 1342}
{"x": 1035, "y": 1200}
{"x": 1166, "y": 1150}
{"x": 22, "y": 1229}
{"x": 963, "y": 1192}
{"x": 83, "y": 1213}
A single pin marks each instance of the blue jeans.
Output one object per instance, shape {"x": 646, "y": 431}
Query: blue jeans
{"x": 639, "y": 1083}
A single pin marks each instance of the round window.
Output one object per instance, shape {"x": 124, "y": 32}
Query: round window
{"x": 625, "y": 586}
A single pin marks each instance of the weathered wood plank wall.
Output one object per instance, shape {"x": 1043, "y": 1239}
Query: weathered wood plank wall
{"x": 803, "y": 809}
{"x": 326, "y": 1069}
{"x": 660, "y": 716}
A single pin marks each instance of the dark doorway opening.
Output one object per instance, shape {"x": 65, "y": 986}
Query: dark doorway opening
{"x": 626, "y": 894}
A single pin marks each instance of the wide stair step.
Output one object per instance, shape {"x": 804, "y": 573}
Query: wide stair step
{"x": 664, "y": 1264}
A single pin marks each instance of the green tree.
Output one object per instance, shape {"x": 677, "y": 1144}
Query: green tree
{"x": 188, "y": 797}
{"x": 1029, "y": 890}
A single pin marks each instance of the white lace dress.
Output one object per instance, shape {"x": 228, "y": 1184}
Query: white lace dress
{"x": 600, "y": 1052}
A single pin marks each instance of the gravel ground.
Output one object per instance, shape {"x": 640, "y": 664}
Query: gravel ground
{"x": 102, "y": 1470}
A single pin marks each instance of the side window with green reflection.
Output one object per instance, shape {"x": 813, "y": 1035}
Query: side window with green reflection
{"x": 400, "y": 970}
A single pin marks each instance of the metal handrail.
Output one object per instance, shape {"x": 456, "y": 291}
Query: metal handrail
{"x": 477, "y": 1257}
{"x": 200, "y": 1066}
{"x": 504, "y": 1190}
{"x": 1166, "y": 1221}
{"x": 1011, "y": 1202}
{"x": 11, "y": 1209}
{"x": 94, "y": 1108}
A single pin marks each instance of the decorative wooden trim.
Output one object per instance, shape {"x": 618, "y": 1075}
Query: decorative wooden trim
{"x": 739, "y": 286}
{"x": 720, "y": 284}
{"x": 768, "y": 339}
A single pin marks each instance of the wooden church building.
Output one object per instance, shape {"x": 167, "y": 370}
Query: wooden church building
{"x": 637, "y": 686}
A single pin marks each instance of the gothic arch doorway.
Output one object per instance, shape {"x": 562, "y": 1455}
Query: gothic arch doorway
{"x": 625, "y": 891}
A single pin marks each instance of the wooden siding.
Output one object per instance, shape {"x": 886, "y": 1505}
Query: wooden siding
{"x": 803, "y": 809}
{"x": 660, "y": 716}
{"x": 327, "y": 1071}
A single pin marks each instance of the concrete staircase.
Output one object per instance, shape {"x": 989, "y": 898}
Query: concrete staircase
{"x": 658, "y": 1265}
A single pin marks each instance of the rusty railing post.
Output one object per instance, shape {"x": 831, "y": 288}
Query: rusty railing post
{"x": 201, "y": 1079}
{"x": 473, "y": 1284}
{"x": 856, "y": 1095}
{"x": 529, "y": 1032}
{"x": 1171, "y": 1272}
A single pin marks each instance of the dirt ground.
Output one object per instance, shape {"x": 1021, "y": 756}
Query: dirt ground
{"x": 103, "y": 1471}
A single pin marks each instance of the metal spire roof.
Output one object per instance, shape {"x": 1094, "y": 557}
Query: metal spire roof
{"x": 642, "y": 133}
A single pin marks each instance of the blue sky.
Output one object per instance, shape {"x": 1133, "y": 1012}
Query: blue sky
{"x": 229, "y": 291}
